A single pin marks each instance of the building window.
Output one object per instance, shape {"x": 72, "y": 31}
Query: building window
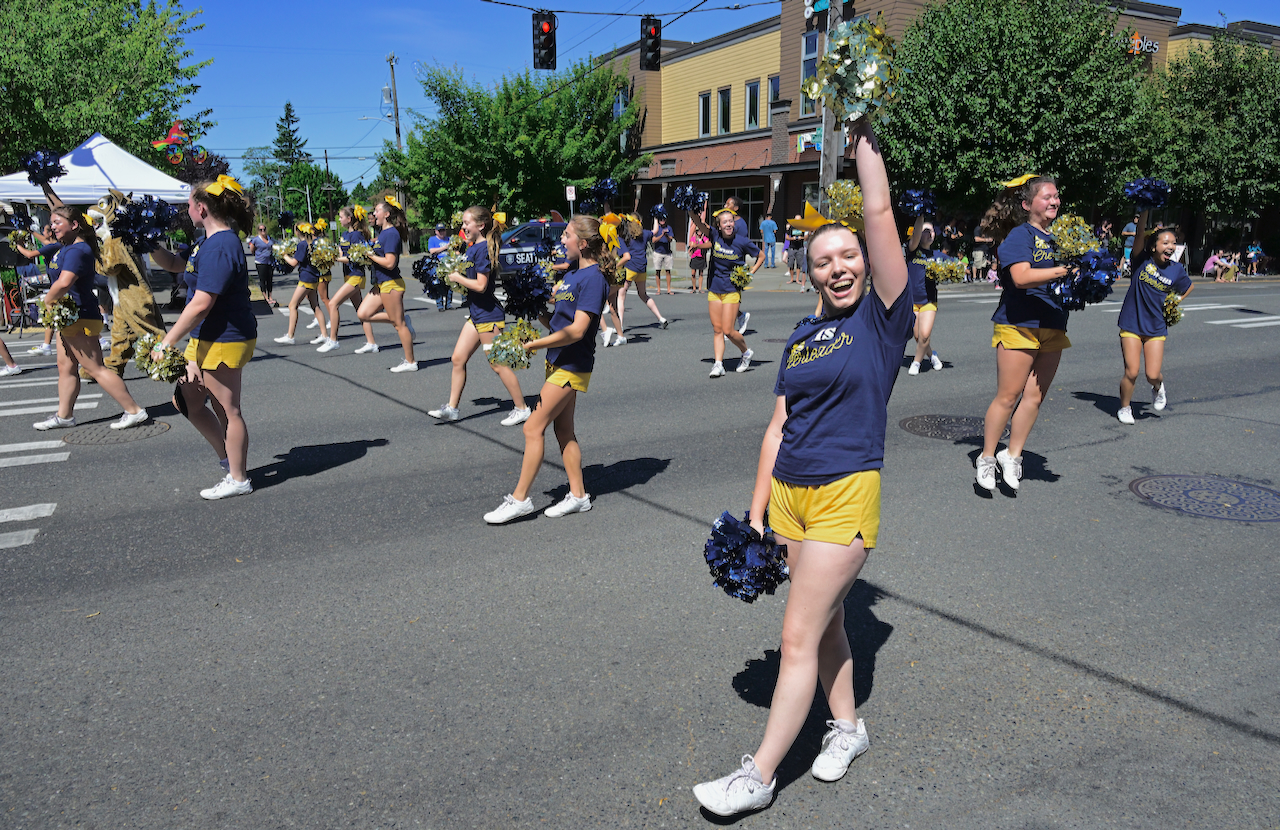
{"x": 704, "y": 114}
{"x": 753, "y": 105}
{"x": 619, "y": 109}
{"x": 775, "y": 93}
{"x": 809, "y": 57}
{"x": 723, "y": 120}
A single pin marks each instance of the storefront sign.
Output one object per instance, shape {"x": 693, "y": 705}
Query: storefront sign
{"x": 1139, "y": 45}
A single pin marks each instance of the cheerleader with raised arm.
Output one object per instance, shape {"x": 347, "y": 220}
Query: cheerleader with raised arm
{"x": 355, "y": 226}
{"x": 385, "y": 302}
{"x": 818, "y": 478}
{"x": 579, "y": 299}
{"x": 635, "y": 264}
{"x": 729, "y": 249}
{"x": 222, "y": 328}
{"x": 1142, "y": 322}
{"x": 308, "y": 283}
{"x": 924, "y": 293}
{"x": 1030, "y": 322}
{"x": 483, "y": 232}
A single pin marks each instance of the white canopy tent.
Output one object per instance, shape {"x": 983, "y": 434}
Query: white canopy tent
{"x": 92, "y": 168}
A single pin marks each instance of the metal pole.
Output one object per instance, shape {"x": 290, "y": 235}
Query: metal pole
{"x": 328, "y": 194}
{"x": 829, "y": 160}
{"x": 395, "y": 101}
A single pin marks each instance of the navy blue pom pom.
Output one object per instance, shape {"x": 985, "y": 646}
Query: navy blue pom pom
{"x": 1148, "y": 193}
{"x": 686, "y": 197}
{"x": 544, "y": 249}
{"x": 424, "y": 270}
{"x": 280, "y": 266}
{"x": 528, "y": 290}
{"x": 605, "y": 190}
{"x": 744, "y": 564}
{"x": 1090, "y": 280}
{"x": 43, "y": 166}
{"x": 286, "y": 220}
{"x": 143, "y": 223}
{"x": 658, "y": 212}
{"x": 917, "y": 203}
{"x": 589, "y": 207}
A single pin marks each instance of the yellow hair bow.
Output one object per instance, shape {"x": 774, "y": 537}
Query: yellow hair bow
{"x": 813, "y": 220}
{"x": 1020, "y": 181}
{"x": 305, "y": 227}
{"x": 610, "y": 234}
{"x": 391, "y": 200}
{"x": 224, "y": 181}
{"x": 321, "y": 224}
{"x": 359, "y": 213}
{"x": 500, "y": 217}
{"x": 725, "y": 210}
{"x": 610, "y": 219}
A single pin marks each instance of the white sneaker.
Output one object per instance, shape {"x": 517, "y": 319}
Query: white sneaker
{"x": 844, "y": 742}
{"x": 285, "y": 340}
{"x": 54, "y": 422}
{"x": 444, "y": 413}
{"x": 368, "y": 348}
{"x": 1010, "y": 467}
{"x": 937, "y": 362}
{"x": 620, "y": 340}
{"x": 126, "y": 420}
{"x": 508, "y": 510}
{"x": 15, "y": 369}
{"x": 986, "y": 472}
{"x": 405, "y": 366}
{"x": 606, "y": 334}
{"x": 570, "y": 504}
{"x": 517, "y": 416}
{"x": 226, "y": 488}
{"x": 915, "y": 368}
{"x": 319, "y": 338}
{"x": 1159, "y": 400}
{"x": 45, "y": 349}
{"x": 743, "y": 318}
{"x": 738, "y": 792}
{"x": 717, "y": 371}
{"x": 1125, "y": 415}
{"x": 745, "y": 362}
{"x": 413, "y": 333}
{"x": 328, "y": 346}
{"x": 104, "y": 342}
{"x": 313, "y": 324}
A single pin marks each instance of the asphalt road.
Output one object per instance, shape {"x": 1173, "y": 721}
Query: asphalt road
{"x": 351, "y": 646}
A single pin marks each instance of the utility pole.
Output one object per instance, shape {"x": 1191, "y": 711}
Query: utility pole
{"x": 328, "y": 193}
{"x": 832, "y": 157}
{"x": 395, "y": 101}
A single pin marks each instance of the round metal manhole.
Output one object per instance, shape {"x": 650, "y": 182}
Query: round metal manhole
{"x": 946, "y": 427}
{"x": 1210, "y": 497}
{"x": 104, "y": 434}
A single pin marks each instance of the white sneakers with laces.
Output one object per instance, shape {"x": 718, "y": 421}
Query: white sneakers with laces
{"x": 284, "y": 340}
{"x": 45, "y": 349}
{"x": 619, "y": 339}
{"x": 517, "y": 416}
{"x": 1159, "y": 400}
{"x": 606, "y": 334}
{"x": 54, "y": 422}
{"x": 328, "y": 346}
{"x": 313, "y": 323}
{"x": 319, "y": 338}
{"x": 744, "y": 317}
{"x": 738, "y": 792}
{"x": 1011, "y": 468}
{"x": 936, "y": 361}
{"x": 1125, "y": 415}
{"x": 717, "y": 371}
{"x": 6, "y": 371}
{"x": 226, "y": 488}
{"x": 368, "y": 348}
{"x": 569, "y": 504}
{"x": 843, "y": 742}
{"x": 509, "y": 509}
{"x": 405, "y": 366}
{"x": 745, "y": 363}
{"x": 444, "y": 413}
{"x": 915, "y": 368}
{"x": 986, "y": 476}
{"x": 127, "y": 420}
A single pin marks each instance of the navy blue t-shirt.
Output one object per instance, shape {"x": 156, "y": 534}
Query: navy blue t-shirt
{"x": 78, "y": 259}
{"x": 727, "y": 254}
{"x": 388, "y": 242}
{"x": 348, "y": 239}
{"x": 836, "y": 376}
{"x": 485, "y": 307}
{"x": 918, "y": 282}
{"x": 578, "y": 290}
{"x": 1030, "y": 307}
{"x": 218, "y": 267}
{"x": 1142, "y": 311}
{"x": 306, "y": 271}
{"x": 662, "y": 240}
{"x": 261, "y": 250}
{"x": 639, "y": 261}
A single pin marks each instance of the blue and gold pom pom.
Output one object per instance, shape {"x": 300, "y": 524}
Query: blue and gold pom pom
{"x": 743, "y": 563}
{"x": 508, "y": 347}
{"x": 63, "y": 312}
{"x": 142, "y": 224}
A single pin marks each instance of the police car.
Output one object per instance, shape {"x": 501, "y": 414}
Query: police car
{"x": 521, "y": 244}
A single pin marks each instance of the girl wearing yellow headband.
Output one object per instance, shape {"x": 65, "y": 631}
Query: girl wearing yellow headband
{"x": 308, "y": 280}
{"x": 356, "y": 230}
{"x": 1030, "y": 322}
{"x": 483, "y": 232}
{"x": 385, "y": 302}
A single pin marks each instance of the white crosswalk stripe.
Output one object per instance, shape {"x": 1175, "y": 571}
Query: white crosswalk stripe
{"x": 18, "y": 538}
{"x": 37, "y": 410}
{"x": 1246, "y": 322}
{"x": 25, "y": 460}
{"x": 44, "y": 400}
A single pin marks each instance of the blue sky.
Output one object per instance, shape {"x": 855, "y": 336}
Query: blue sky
{"x": 332, "y": 63}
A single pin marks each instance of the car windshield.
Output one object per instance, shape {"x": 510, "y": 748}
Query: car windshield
{"x": 510, "y": 232}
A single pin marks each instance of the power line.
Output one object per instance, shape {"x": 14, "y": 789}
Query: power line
{"x": 679, "y": 14}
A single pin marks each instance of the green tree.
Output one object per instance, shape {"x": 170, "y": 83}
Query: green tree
{"x": 360, "y": 194}
{"x": 70, "y": 68}
{"x": 1214, "y": 133}
{"x": 188, "y": 171}
{"x": 507, "y": 146}
{"x": 289, "y": 147}
{"x": 310, "y": 176}
{"x": 998, "y": 88}
{"x": 262, "y": 176}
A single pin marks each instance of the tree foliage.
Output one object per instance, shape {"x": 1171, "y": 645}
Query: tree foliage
{"x": 304, "y": 176}
{"x": 1214, "y": 133}
{"x": 70, "y": 68}
{"x": 289, "y": 148}
{"x": 504, "y": 147}
{"x": 998, "y": 88}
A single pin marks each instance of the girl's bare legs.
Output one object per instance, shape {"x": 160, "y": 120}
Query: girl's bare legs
{"x": 468, "y": 342}
{"x": 643, "y": 293}
{"x": 344, "y": 292}
{"x": 505, "y": 373}
{"x": 1019, "y": 372}
{"x": 556, "y": 407}
{"x": 389, "y": 309}
{"x": 296, "y": 300}
{"x": 723, "y": 317}
{"x": 1152, "y": 354}
{"x": 924, "y": 330}
{"x": 82, "y": 350}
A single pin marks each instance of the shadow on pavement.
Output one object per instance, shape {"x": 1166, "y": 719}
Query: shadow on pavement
{"x": 621, "y": 475}
{"x": 310, "y": 460}
{"x": 1110, "y": 404}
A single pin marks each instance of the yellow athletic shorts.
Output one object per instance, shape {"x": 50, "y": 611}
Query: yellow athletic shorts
{"x": 632, "y": 276}
{"x": 838, "y": 512}
{"x": 325, "y": 278}
{"x": 1141, "y": 337}
{"x": 310, "y": 286}
{"x": 89, "y": 328}
{"x": 732, "y": 298}
{"x": 919, "y": 307}
{"x": 1021, "y": 337}
{"x": 210, "y": 355}
{"x": 485, "y": 328}
{"x": 563, "y": 377}
{"x": 396, "y": 284}
{"x": 356, "y": 280}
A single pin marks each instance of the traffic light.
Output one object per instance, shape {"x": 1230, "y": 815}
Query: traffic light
{"x": 650, "y": 44}
{"x": 544, "y": 40}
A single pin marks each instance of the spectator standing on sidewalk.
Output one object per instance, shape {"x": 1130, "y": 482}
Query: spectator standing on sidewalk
{"x": 661, "y": 241}
{"x": 769, "y": 234}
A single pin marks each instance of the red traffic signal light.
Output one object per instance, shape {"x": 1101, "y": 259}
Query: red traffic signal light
{"x": 544, "y": 40}
{"x": 546, "y": 27}
{"x": 650, "y": 44}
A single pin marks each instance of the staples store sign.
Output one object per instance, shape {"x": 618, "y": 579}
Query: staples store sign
{"x": 1139, "y": 45}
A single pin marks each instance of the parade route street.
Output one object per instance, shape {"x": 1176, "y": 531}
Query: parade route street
{"x": 352, "y": 646}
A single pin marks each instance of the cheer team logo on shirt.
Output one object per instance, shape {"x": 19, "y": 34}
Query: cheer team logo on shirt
{"x": 1043, "y": 252}
{"x": 834, "y": 342}
{"x": 561, "y": 293}
{"x": 1152, "y": 277}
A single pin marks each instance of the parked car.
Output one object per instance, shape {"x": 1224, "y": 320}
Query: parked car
{"x": 520, "y": 244}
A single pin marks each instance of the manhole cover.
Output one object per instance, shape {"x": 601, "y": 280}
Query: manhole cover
{"x": 104, "y": 434}
{"x": 946, "y": 427}
{"x": 1211, "y": 497}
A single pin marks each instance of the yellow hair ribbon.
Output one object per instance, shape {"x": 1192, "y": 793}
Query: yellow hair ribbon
{"x": 500, "y": 217}
{"x": 305, "y": 227}
{"x": 725, "y": 210}
{"x": 359, "y": 213}
{"x": 813, "y": 220}
{"x": 609, "y": 233}
{"x": 610, "y": 219}
{"x": 391, "y": 200}
{"x": 321, "y": 224}
{"x": 1020, "y": 181}
{"x": 224, "y": 181}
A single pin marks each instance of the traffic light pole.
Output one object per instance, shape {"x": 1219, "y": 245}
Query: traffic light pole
{"x": 832, "y": 156}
